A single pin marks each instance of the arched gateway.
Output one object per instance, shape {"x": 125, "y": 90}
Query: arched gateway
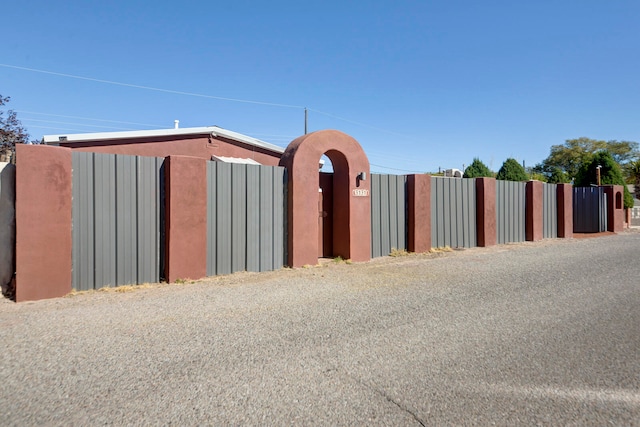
{"x": 349, "y": 203}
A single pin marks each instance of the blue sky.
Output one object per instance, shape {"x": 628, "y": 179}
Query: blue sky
{"x": 420, "y": 84}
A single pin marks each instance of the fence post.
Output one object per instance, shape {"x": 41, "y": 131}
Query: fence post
{"x": 185, "y": 218}
{"x": 615, "y": 207}
{"x": 419, "y": 213}
{"x": 564, "y": 194}
{"x": 486, "y": 211}
{"x": 43, "y": 222}
{"x": 534, "y": 207}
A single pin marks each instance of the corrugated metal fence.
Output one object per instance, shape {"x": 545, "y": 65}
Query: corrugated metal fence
{"x": 116, "y": 219}
{"x": 118, "y": 216}
{"x": 635, "y": 216}
{"x": 589, "y": 210}
{"x": 550, "y": 210}
{"x": 510, "y": 211}
{"x": 245, "y": 218}
{"x": 453, "y": 212}
{"x": 388, "y": 213}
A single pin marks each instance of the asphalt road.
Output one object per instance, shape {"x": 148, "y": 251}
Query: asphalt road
{"x": 544, "y": 333}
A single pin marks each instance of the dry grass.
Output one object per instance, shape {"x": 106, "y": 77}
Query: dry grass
{"x": 130, "y": 288}
{"x": 398, "y": 252}
{"x": 441, "y": 250}
{"x": 116, "y": 289}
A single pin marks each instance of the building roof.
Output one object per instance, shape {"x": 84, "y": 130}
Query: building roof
{"x": 214, "y": 131}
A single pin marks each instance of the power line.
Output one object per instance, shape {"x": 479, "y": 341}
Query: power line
{"x": 395, "y": 169}
{"x": 86, "y": 118}
{"x": 56, "y": 128}
{"x": 200, "y": 95}
{"x": 177, "y": 92}
{"x": 157, "y": 89}
{"x": 362, "y": 124}
{"x": 74, "y": 124}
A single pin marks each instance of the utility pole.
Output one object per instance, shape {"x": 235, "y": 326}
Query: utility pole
{"x": 306, "y": 117}
{"x": 598, "y": 174}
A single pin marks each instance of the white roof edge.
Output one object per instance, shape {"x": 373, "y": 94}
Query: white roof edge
{"x": 213, "y": 130}
{"x": 239, "y": 160}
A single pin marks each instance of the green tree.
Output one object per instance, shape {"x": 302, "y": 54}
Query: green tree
{"x": 633, "y": 172}
{"x": 557, "y": 176}
{"x": 623, "y": 151}
{"x": 477, "y": 169}
{"x": 571, "y": 155}
{"x": 610, "y": 174}
{"x": 511, "y": 170}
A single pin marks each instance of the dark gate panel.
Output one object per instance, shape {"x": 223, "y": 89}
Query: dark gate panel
{"x": 589, "y": 210}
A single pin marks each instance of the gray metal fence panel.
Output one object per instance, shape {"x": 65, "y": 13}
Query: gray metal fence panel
{"x": 401, "y": 212}
{"x": 550, "y": 211}
{"x": 239, "y": 215}
{"x": 385, "y": 241}
{"x": 223, "y": 217}
{"x": 212, "y": 219}
{"x": 116, "y": 220}
{"x": 469, "y": 224}
{"x": 266, "y": 218}
{"x": 279, "y": 248}
{"x": 589, "y": 210}
{"x": 245, "y": 218}
{"x": 393, "y": 213}
{"x": 453, "y": 212}
{"x": 253, "y": 218}
{"x": 388, "y": 213}
{"x": 126, "y": 214}
{"x": 105, "y": 220}
{"x": 510, "y": 211}
{"x": 376, "y": 234}
{"x": 150, "y": 184}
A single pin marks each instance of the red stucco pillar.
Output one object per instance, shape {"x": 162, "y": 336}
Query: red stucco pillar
{"x": 534, "y": 215}
{"x": 486, "y": 211}
{"x": 564, "y": 194}
{"x": 615, "y": 207}
{"x": 43, "y": 222}
{"x": 185, "y": 218}
{"x": 419, "y": 213}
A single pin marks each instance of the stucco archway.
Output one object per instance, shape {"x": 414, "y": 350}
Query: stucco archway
{"x": 351, "y": 197}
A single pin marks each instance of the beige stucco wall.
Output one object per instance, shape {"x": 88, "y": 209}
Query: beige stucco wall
{"x": 7, "y": 222}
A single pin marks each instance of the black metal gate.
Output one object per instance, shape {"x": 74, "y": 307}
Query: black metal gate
{"x": 589, "y": 210}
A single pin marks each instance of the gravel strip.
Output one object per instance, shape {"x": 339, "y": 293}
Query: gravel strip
{"x": 534, "y": 333}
